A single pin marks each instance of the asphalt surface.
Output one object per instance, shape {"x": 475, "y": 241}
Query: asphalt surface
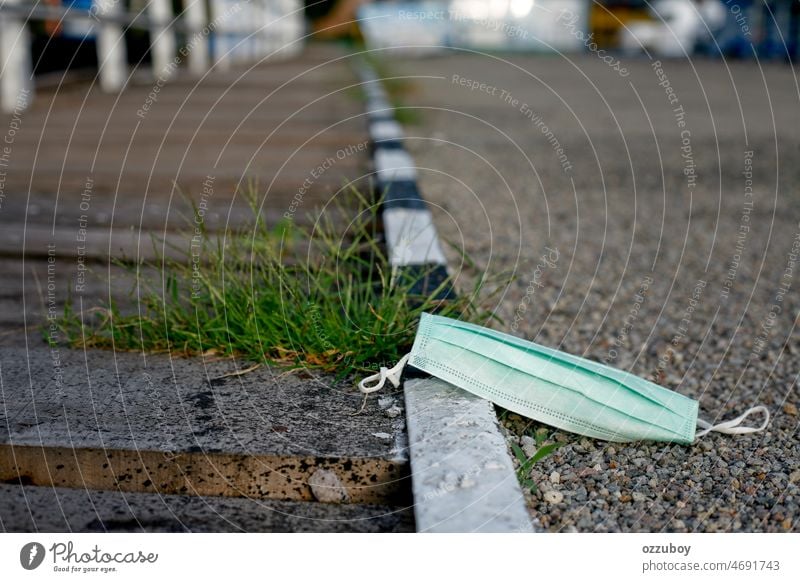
{"x": 652, "y": 222}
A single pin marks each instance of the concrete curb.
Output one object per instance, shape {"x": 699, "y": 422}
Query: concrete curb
{"x": 462, "y": 477}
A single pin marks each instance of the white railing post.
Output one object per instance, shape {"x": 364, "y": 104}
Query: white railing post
{"x": 162, "y": 38}
{"x": 247, "y": 21}
{"x": 292, "y": 27}
{"x": 219, "y": 16}
{"x": 273, "y": 28}
{"x": 15, "y": 59}
{"x": 111, "y": 53}
{"x": 197, "y": 39}
{"x": 260, "y": 43}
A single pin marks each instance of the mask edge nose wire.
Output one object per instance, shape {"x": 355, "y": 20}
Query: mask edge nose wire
{"x": 732, "y": 426}
{"x": 392, "y": 374}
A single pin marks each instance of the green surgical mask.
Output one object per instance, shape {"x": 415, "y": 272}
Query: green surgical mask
{"x": 552, "y": 387}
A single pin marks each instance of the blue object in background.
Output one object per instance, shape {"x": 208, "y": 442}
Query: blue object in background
{"x": 769, "y": 26}
{"x": 777, "y": 27}
{"x": 78, "y": 29}
{"x": 737, "y": 37}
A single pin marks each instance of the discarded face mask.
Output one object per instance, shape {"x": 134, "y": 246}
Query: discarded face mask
{"x": 553, "y": 387}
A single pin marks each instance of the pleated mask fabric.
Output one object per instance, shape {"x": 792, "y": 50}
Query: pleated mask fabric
{"x": 553, "y": 387}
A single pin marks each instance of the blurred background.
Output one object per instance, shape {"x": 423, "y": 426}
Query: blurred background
{"x": 660, "y": 27}
{"x": 627, "y": 169}
{"x": 731, "y": 28}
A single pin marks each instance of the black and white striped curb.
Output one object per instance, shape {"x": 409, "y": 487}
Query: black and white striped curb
{"x": 414, "y": 248}
{"x": 462, "y": 477}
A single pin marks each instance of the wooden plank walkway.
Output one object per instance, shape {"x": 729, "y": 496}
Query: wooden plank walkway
{"x": 79, "y": 151}
{"x": 114, "y": 169}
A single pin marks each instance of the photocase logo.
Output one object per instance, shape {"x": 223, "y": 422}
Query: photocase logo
{"x": 31, "y": 555}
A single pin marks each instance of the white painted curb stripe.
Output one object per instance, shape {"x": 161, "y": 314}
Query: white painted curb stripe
{"x": 367, "y": 74}
{"x": 411, "y": 237}
{"x": 385, "y": 130}
{"x": 379, "y": 106}
{"x": 375, "y": 91}
{"x": 462, "y": 477}
{"x": 393, "y": 165}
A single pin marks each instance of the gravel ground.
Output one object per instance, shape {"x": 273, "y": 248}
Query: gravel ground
{"x": 654, "y": 241}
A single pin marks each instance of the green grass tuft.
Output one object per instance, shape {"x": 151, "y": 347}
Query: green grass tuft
{"x": 303, "y": 297}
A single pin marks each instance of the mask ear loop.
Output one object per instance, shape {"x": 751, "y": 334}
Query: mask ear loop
{"x": 392, "y": 374}
{"x": 732, "y": 426}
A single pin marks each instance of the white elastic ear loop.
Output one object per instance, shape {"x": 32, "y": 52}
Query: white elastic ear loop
{"x": 732, "y": 426}
{"x": 392, "y": 374}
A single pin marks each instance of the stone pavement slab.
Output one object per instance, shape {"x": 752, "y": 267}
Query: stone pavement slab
{"x": 104, "y": 420}
{"x": 55, "y": 509}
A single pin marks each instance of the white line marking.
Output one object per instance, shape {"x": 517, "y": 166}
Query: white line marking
{"x": 379, "y": 106}
{"x": 383, "y": 130}
{"x": 411, "y": 237}
{"x": 394, "y": 165}
{"x": 375, "y": 92}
